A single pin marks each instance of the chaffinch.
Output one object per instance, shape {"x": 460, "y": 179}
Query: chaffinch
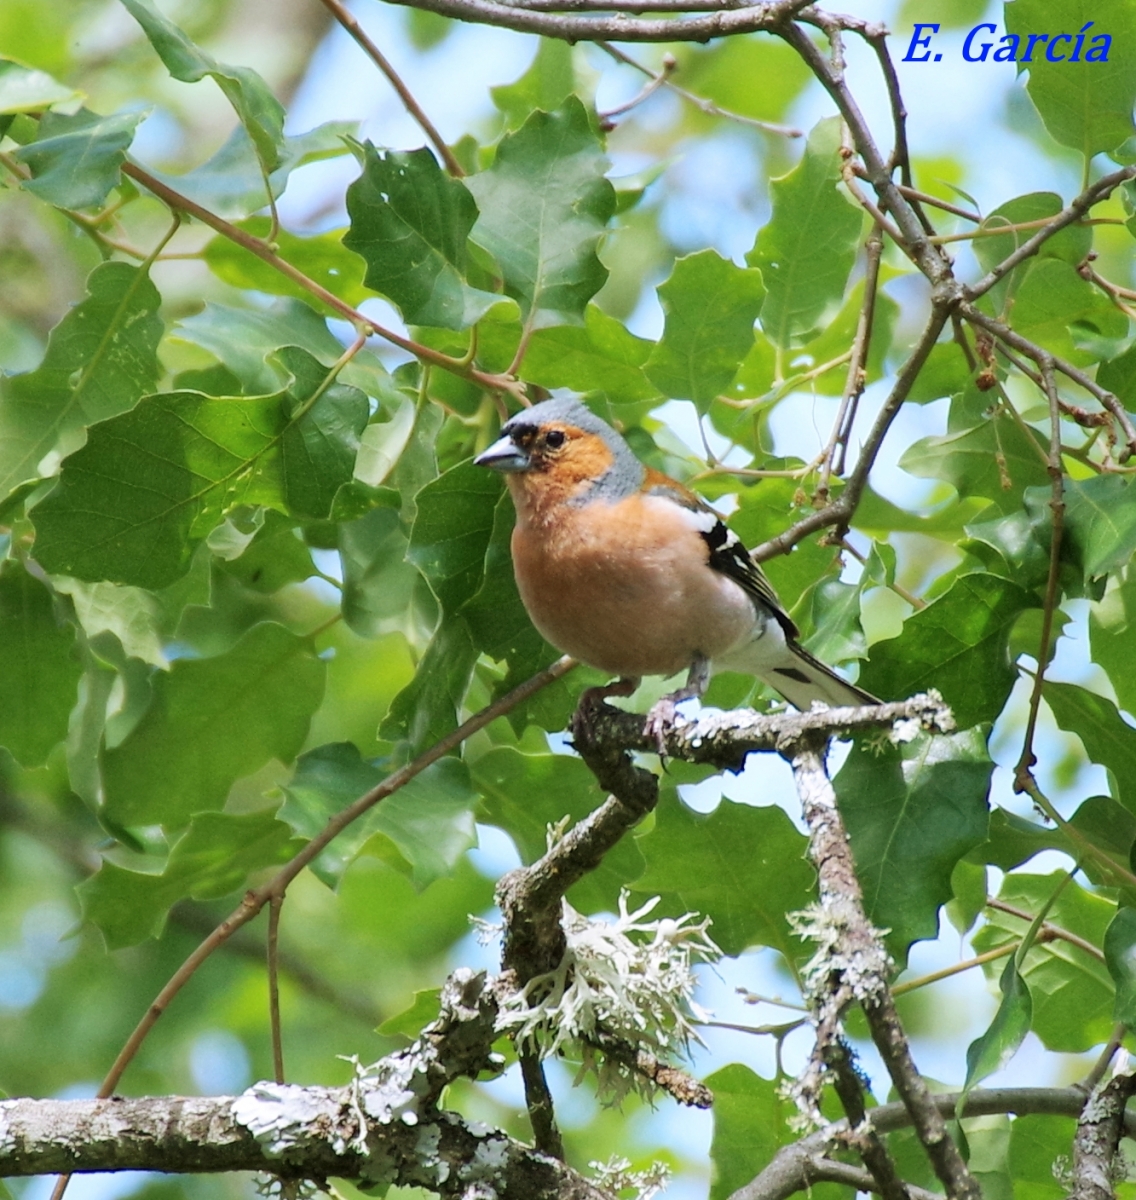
{"x": 629, "y": 571}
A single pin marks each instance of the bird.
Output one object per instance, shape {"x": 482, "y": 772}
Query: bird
{"x": 631, "y": 572}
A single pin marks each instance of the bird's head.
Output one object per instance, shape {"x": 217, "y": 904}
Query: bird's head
{"x": 561, "y": 446}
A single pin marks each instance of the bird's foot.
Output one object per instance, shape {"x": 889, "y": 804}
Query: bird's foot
{"x": 661, "y": 717}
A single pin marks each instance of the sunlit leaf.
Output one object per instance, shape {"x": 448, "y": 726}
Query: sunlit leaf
{"x": 544, "y": 204}
{"x": 743, "y": 867}
{"x": 101, "y": 358}
{"x": 710, "y": 307}
{"x": 806, "y": 251}
{"x": 912, "y": 812}
{"x": 428, "y": 821}
{"x": 211, "y": 859}
{"x": 212, "y": 721}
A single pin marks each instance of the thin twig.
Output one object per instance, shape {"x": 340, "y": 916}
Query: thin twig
{"x": 256, "y": 899}
{"x": 275, "y": 904}
{"x": 538, "y": 1100}
{"x": 663, "y": 79}
{"x": 347, "y": 19}
{"x": 857, "y": 376}
{"x": 1053, "y": 932}
{"x": 176, "y": 201}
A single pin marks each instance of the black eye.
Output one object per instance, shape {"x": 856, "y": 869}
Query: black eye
{"x": 554, "y": 439}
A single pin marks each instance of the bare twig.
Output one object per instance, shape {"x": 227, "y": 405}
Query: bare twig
{"x": 538, "y": 1101}
{"x": 1072, "y": 212}
{"x": 347, "y": 19}
{"x": 857, "y": 369}
{"x": 179, "y": 203}
{"x": 256, "y": 899}
{"x": 790, "y": 1170}
{"x": 274, "y": 907}
{"x": 1052, "y": 587}
{"x": 664, "y": 78}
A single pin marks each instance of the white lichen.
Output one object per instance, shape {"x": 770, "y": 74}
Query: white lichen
{"x": 616, "y": 1176}
{"x": 628, "y": 979}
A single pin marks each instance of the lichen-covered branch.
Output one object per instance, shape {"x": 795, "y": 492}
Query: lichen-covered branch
{"x": 851, "y": 965}
{"x": 384, "y": 1128}
{"x": 1095, "y": 1147}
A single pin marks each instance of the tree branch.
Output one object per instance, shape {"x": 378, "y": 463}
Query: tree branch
{"x": 384, "y": 1128}
{"x": 792, "y": 1168}
{"x": 1098, "y": 1139}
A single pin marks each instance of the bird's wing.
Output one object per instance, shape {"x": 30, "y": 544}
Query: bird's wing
{"x": 727, "y": 551}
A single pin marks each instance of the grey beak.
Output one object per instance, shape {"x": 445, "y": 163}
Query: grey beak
{"x": 504, "y": 455}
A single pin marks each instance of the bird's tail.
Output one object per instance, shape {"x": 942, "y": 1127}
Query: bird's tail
{"x": 801, "y": 679}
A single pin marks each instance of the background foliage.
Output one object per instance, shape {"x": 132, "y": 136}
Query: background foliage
{"x": 248, "y": 567}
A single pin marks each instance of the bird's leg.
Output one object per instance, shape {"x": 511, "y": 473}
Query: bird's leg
{"x": 662, "y": 713}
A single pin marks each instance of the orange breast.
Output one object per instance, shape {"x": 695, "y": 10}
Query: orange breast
{"x": 643, "y": 602}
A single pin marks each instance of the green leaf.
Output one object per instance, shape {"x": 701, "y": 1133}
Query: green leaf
{"x": 24, "y": 89}
{"x": 1070, "y": 245}
{"x": 752, "y": 1121}
{"x": 997, "y": 460}
{"x": 1100, "y": 523}
{"x": 838, "y": 636}
{"x": 1086, "y": 104}
{"x": 1118, "y": 375}
{"x": 1112, "y": 635}
{"x": 1107, "y": 738}
{"x": 410, "y": 223}
{"x": 993, "y": 1050}
{"x": 743, "y": 867}
{"x": 710, "y": 307}
{"x": 276, "y": 557}
{"x": 837, "y": 336}
{"x": 1072, "y": 992}
{"x": 428, "y": 822}
{"x": 131, "y": 614}
{"x": 246, "y": 341}
{"x": 957, "y": 644}
{"x": 1120, "y": 958}
{"x": 213, "y": 721}
{"x": 1020, "y": 541}
{"x": 806, "y": 251}
{"x": 600, "y": 357}
{"x": 1037, "y": 1144}
{"x": 319, "y": 443}
{"x": 427, "y": 708}
{"x": 524, "y": 794}
{"x": 134, "y": 503}
{"x": 497, "y": 619}
{"x": 258, "y": 110}
{"x": 944, "y": 373}
{"x": 378, "y": 583}
{"x": 101, "y": 358}
{"x": 544, "y": 205}
{"x": 320, "y": 256}
{"x": 548, "y": 82}
{"x": 211, "y": 859}
{"x": 411, "y": 1021}
{"x": 39, "y": 667}
{"x": 1052, "y": 298}
{"x": 232, "y": 182}
{"x": 912, "y": 812}
{"x": 75, "y": 160}
{"x": 452, "y": 529}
